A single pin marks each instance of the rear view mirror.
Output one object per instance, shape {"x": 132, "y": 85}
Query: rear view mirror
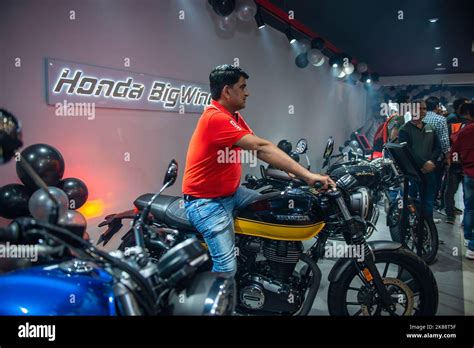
{"x": 171, "y": 173}
{"x": 329, "y": 148}
{"x": 301, "y": 146}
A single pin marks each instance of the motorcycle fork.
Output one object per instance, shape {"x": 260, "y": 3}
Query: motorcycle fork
{"x": 367, "y": 266}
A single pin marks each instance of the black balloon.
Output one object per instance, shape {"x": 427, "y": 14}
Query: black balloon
{"x": 223, "y": 7}
{"x": 301, "y": 60}
{"x": 10, "y": 135}
{"x": 75, "y": 190}
{"x": 46, "y": 161}
{"x": 14, "y": 201}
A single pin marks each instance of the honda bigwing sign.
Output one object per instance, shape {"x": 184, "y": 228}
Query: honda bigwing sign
{"x": 111, "y": 88}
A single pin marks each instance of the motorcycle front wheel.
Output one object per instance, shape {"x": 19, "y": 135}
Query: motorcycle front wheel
{"x": 408, "y": 279}
{"x": 429, "y": 238}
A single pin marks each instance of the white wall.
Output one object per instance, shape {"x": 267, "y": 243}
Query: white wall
{"x": 157, "y": 42}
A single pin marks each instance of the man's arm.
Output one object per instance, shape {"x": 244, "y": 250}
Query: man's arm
{"x": 270, "y": 153}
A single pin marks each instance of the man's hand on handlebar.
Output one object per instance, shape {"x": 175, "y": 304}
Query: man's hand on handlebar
{"x": 325, "y": 180}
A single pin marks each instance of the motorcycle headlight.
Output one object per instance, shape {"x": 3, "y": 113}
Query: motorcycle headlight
{"x": 207, "y": 294}
{"x": 360, "y": 202}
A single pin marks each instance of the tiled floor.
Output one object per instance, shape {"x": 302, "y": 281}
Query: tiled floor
{"x": 453, "y": 272}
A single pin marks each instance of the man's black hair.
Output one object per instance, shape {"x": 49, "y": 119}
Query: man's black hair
{"x": 223, "y": 75}
{"x": 458, "y": 102}
{"x": 467, "y": 108}
{"x": 432, "y": 103}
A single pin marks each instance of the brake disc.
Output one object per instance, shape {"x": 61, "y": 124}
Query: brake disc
{"x": 404, "y": 290}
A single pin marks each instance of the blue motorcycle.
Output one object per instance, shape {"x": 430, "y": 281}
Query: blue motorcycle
{"x": 73, "y": 277}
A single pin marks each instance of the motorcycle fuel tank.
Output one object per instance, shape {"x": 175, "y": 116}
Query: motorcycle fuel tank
{"x": 365, "y": 174}
{"x": 294, "y": 215}
{"x": 57, "y": 290}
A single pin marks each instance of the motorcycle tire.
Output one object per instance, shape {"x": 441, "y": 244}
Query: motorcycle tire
{"x": 423, "y": 284}
{"x": 430, "y": 237}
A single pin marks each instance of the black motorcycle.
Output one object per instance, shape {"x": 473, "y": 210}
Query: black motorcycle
{"x": 276, "y": 276}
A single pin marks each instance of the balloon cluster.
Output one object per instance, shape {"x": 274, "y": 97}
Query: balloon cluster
{"x": 18, "y": 200}
{"x": 310, "y": 53}
{"x": 230, "y": 11}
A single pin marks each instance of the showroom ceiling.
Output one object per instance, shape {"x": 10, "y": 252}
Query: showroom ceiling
{"x": 371, "y": 31}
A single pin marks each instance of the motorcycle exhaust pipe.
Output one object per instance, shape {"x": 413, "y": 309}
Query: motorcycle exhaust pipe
{"x": 313, "y": 287}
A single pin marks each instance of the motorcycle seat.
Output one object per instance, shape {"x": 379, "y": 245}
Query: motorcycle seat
{"x": 166, "y": 209}
{"x": 170, "y": 209}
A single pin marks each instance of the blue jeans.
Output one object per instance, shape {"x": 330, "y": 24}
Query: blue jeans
{"x": 469, "y": 210}
{"x": 213, "y": 218}
{"x": 425, "y": 192}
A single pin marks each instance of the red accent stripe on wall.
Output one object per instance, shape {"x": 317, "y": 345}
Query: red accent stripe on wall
{"x": 281, "y": 14}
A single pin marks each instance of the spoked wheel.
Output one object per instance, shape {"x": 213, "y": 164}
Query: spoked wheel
{"x": 429, "y": 242}
{"x": 407, "y": 278}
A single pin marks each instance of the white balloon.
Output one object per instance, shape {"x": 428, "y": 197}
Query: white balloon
{"x": 361, "y": 67}
{"x": 314, "y": 56}
{"x": 40, "y": 205}
{"x": 228, "y": 23}
{"x": 348, "y": 69}
{"x": 246, "y": 10}
{"x": 304, "y": 45}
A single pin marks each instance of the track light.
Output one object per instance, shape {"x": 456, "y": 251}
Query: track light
{"x": 290, "y": 36}
{"x": 335, "y": 61}
{"x": 259, "y": 19}
{"x": 365, "y": 78}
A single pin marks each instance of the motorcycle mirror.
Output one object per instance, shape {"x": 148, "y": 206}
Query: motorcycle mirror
{"x": 10, "y": 136}
{"x": 301, "y": 146}
{"x": 171, "y": 173}
{"x": 329, "y": 148}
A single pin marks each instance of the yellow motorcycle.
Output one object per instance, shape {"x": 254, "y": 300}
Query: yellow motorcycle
{"x": 277, "y": 276}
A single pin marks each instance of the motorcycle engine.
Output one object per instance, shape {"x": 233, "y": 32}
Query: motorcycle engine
{"x": 270, "y": 287}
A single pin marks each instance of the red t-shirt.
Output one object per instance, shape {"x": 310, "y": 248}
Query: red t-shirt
{"x": 213, "y": 167}
{"x": 463, "y": 145}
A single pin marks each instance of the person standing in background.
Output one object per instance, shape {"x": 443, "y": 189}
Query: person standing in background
{"x": 440, "y": 125}
{"x": 463, "y": 150}
{"x": 422, "y": 141}
{"x": 454, "y": 173}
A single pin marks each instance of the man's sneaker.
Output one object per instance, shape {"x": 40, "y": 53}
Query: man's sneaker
{"x": 470, "y": 254}
{"x": 457, "y": 211}
{"x": 450, "y": 220}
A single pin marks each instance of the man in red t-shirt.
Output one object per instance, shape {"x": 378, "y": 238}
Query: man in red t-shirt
{"x": 211, "y": 183}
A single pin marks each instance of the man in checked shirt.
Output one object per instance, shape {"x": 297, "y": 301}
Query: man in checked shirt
{"x": 440, "y": 125}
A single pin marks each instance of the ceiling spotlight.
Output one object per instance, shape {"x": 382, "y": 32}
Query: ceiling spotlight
{"x": 335, "y": 61}
{"x": 365, "y": 78}
{"x": 439, "y": 64}
{"x": 290, "y": 36}
{"x": 259, "y": 19}
{"x": 433, "y": 20}
{"x": 437, "y": 47}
